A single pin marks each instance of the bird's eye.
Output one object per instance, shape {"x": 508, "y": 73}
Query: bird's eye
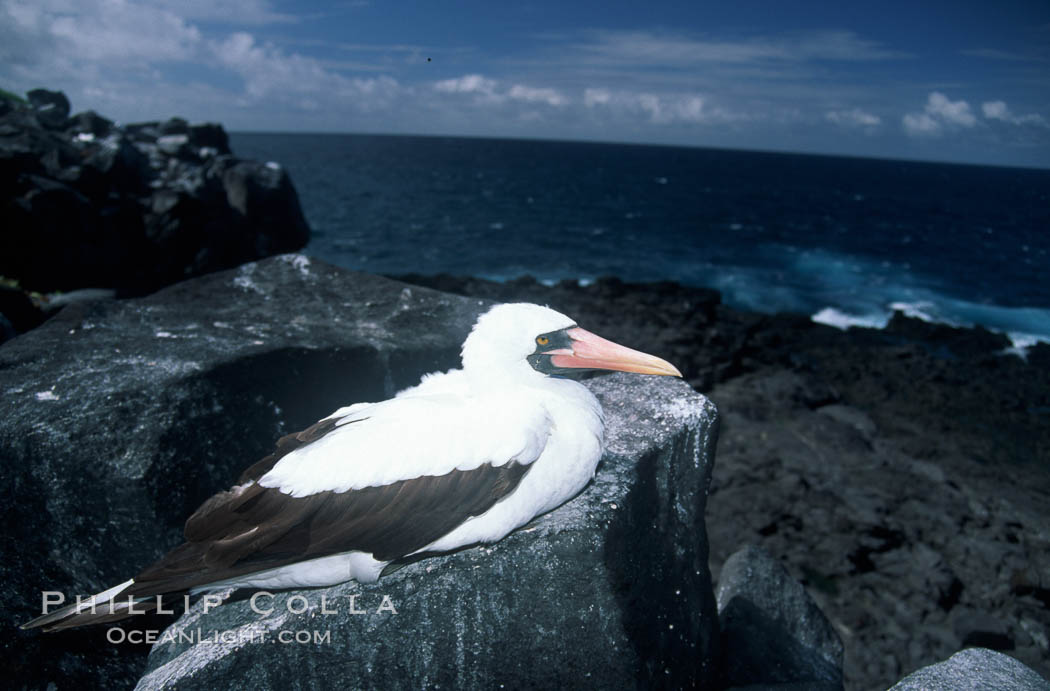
{"x": 542, "y": 340}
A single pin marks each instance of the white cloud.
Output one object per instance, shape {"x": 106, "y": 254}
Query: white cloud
{"x": 998, "y": 110}
{"x": 147, "y": 59}
{"x": 492, "y": 92}
{"x": 920, "y": 124}
{"x": 853, "y": 118}
{"x": 951, "y": 112}
{"x": 939, "y": 114}
{"x": 468, "y": 84}
{"x": 641, "y": 48}
{"x": 942, "y": 114}
{"x": 267, "y": 71}
{"x": 840, "y": 45}
{"x": 131, "y": 57}
{"x": 63, "y": 36}
{"x": 658, "y": 109}
{"x": 596, "y": 97}
{"x": 236, "y": 12}
{"x": 529, "y": 94}
{"x": 664, "y": 110}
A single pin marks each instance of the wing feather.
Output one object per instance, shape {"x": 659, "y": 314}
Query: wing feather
{"x": 410, "y": 436}
{"x": 275, "y": 529}
{"x": 386, "y": 479}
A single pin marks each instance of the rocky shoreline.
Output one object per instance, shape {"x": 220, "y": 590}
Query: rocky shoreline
{"x": 902, "y": 475}
{"x": 911, "y": 543}
{"x": 89, "y": 203}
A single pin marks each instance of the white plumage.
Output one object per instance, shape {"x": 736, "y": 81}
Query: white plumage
{"x": 464, "y": 457}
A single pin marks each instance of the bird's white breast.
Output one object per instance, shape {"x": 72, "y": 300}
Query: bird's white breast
{"x": 563, "y": 469}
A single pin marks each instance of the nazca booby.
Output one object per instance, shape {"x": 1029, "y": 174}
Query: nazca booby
{"x": 464, "y": 457}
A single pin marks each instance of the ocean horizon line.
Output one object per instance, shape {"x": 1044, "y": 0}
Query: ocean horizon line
{"x": 641, "y": 144}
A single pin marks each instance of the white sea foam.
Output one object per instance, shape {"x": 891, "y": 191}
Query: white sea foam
{"x": 950, "y": 313}
{"x": 847, "y": 291}
{"x": 841, "y": 320}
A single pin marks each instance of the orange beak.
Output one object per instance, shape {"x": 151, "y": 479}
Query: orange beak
{"x": 594, "y": 352}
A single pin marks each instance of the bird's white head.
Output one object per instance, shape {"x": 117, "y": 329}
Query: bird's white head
{"x": 523, "y": 340}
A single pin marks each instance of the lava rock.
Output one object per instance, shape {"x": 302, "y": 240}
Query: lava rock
{"x": 772, "y": 631}
{"x": 608, "y": 591}
{"x": 974, "y": 669}
{"x": 52, "y": 107}
{"x": 174, "y": 125}
{"x": 174, "y": 144}
{"x": 947, "y": 341}
{"x": 90, "y": 122}
{"x": 121, "y": 417}
{"x": 902, "y": 480}
{"x": 980, "y": 630}
{"x": 211, "y": 136}
{"x": 79, "y": 205}
{"x": 19, "y": 311}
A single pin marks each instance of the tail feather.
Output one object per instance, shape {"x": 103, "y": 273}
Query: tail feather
{"x": 97, "y": 609}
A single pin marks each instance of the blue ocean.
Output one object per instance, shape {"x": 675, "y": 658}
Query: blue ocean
{"x": 845, "y": 240}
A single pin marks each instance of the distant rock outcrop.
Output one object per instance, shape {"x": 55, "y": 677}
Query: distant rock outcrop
{"x": 90, "y": 204}
{"x": 122, "y": 416}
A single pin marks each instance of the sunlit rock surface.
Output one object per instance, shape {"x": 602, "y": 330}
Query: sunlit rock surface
{"x": 608, "y": 591}
{"x": 120, "y": 417}
{"x": 975, "y": 669}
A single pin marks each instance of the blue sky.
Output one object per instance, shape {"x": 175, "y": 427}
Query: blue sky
{"x": 950, "y": 81}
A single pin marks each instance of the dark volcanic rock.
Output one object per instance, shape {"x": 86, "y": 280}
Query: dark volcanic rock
{"x": 901, "y": 553}
{"x": 608, "y": 591}
{"x": 979, "y": 630}
{"x": 210, "y": 135}
{"x": 947, "y": 341}
{"x": 133, "y": 208}
{"x": 90, "y": 122}
{"x": 120, "y": 417}
{"x": 52, "y": 107}
{"x": 974, "y": 669}
{"x": 902, "y": 480}
{"x": 772, "y": 631}
{"x": 19, "y": 311}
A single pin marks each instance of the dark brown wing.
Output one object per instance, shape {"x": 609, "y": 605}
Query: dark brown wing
{"x": 254, "y": 528}
{"x": 289, "y": 443}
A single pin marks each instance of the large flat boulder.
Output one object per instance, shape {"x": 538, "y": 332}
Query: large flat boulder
{"x": 120, "y": 417}
{"x": 609, "y": 591}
